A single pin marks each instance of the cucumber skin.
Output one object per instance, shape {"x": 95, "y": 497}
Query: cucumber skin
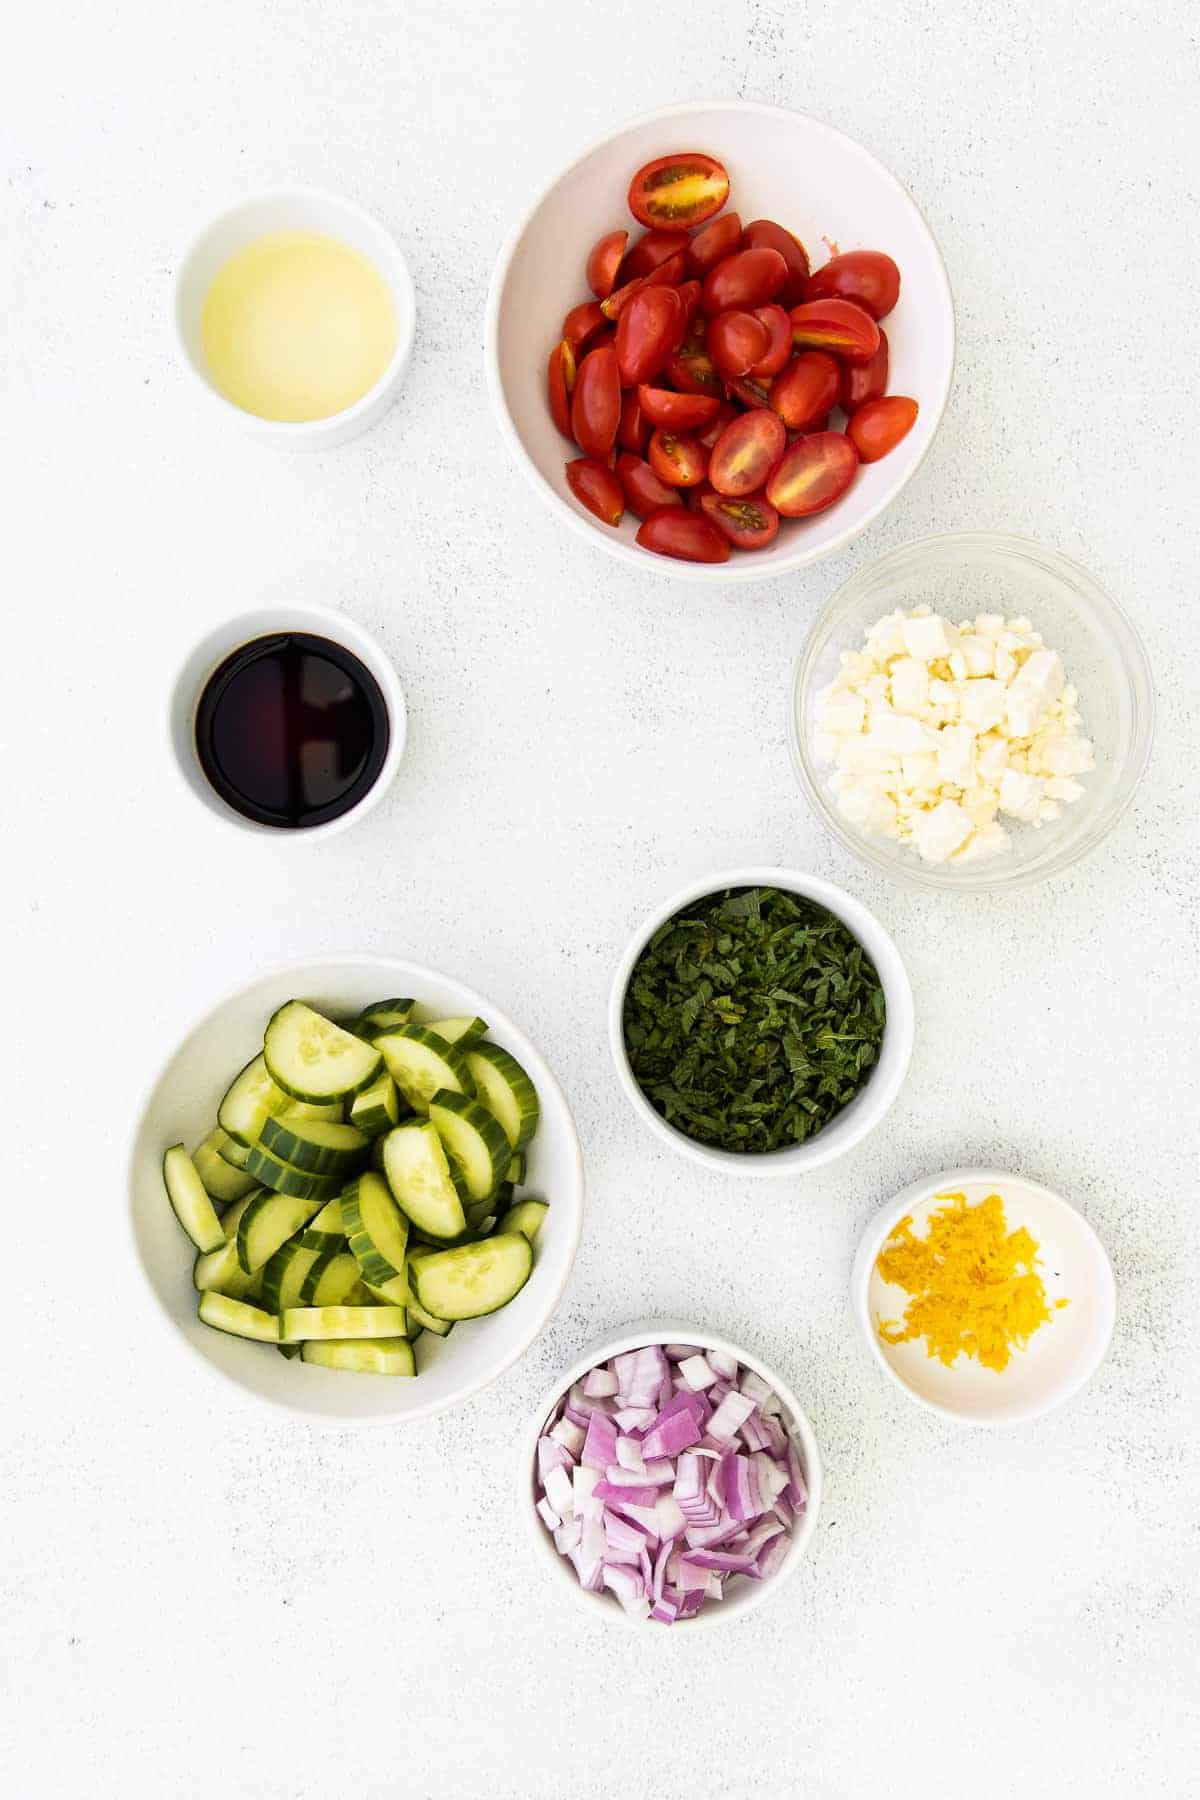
{"x": 376, "y": 1267}
{"x": 297, "y": 1184}
{"x": 285, "y": 1140}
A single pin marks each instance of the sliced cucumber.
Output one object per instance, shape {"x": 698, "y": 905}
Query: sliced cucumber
{"x": 231, "y": 1152}
{"x": 382, "y": 1015}
{"x": 190, "y": 1200}
{"x": 424, "y": 1321}
{"x": 315, "y": 1144}
{"x": 283, "y": 1277}
{"x": 268, "y": 1222}
{"x": 506, "y": 1091}
{"x": 331, "y": 1110}
{"x": 237, "y": 1318}
{"x": 311, "y": 1058}
{"x": 474, "y": 1139}
{"x": 376, "y": 1228}
{"x": 419, "y": 1176}
{"x": 362, "y": 1356}
{"x": 377, "y": 1108}
{"x": 516, "y": 1169}
{"x": 333, "y": 1280}
{"x": 301, "y": 1323}
{"x": 474, "y": 1279}
{"x": 395, "y": 1292}
{"x": 420, "y": 1062}
{"x": 285, "y": 1178}
{"x": 221, "y": 1271}
{"x": 251, "y": 1098}
{"x": 329, "y": 1221}
{"x": 479, "y": 1211}
{"x": 461, "y": 1031}
{"x": 223, "y": 1182}
{"x": 526, "y": 1217}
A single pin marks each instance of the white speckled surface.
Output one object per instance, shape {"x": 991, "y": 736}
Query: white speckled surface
{"x": 194, "y": 1599}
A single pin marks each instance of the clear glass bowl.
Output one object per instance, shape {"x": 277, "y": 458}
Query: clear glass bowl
{"x": 960, "y": 576}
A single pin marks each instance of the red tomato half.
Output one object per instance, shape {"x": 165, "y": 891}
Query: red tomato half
{"x": 649, "y": 328}
{"x": 674, "y": 531}
{"x": 677, "y": 459}
{"x": 560, "y": 379}
{"x": 667, "y": 274}
{"x": 749, "y": 524}
{"x": 878, "y": 426}
{"x": 595, "y": 486}
{"x": 604, "y": 261}
{"x": 743, "y": 281}
{"x": 779, "y": 328}
{"x": 868, "y": 277}
{"x": 815, "y": 471}
{"x": 582, "y": 323}
{"x": 714, "y": 242}
{"x": 765, "y": 234}
{"x": 692, "y": 370}
{"x": 806, "y": 389}
{"x": 677, "y": 412}
{"x": 724, "y": 416}
{"x": 836, "y": 325}
{"x": 633, "y": 430}
{"x": 736, "y": 341}
{"x": 865, "y": 381}
{"x": 596, "y": 403}
{"x": 644, "y": 492}
{"x": 652, "y": 249}
{"x": 683, "y": 189}
{"x": 746, "y": 452}
{"x": 749, "y": 390}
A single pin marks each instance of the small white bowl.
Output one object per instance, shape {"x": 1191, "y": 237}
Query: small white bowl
{"x": 869, "y": 1105}
{"x": 744, "y": 1596}
{"x": 181, "y": 1106}
{"x": 1059, "y": 1359}
{"x": 208, "y": 655}
{"x": 782, "y": 166}
{"x": 293, "y": 209}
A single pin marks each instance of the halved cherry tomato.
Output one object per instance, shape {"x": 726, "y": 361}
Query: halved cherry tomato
{"x": 749, "y": 524}
{"x": 677, "y": 412}
{"x": 746, "y": 452}
{"x": 652, "y": 249}
{"x": 560, "y": 379}
{"x": 815, "y": 471}
{"x": 674, "y": 531}
{"x": 713, "y": 242}
{"x": 736, "y": 341}
{"x": 667, "y": 274}
{"x": 633, "y": 429}
{"x": 683, "y": 189}
{"x": 836, "y": 325}
{"x": 582, "y": 323}
{"x": 677, "y": 459}
{"x": 644, "y": 492}
{"x": 649, "y": 328}
{"x": 865, "y": 381}
{"x": 725, "y": 414}
{"x": 689, "y": 293}
{"x": 604, "y": 261}
{"x": 694, "y": 498}
{"x": 749, "y": 390}
{"x": 806, "y": 389}
{"x": 765, "y": 234}
{"x": 596, "y": 402}
{"x": 743, "y": 281}
{"x": 692, "y": 370}
{"x": 779, "y": 328}
{"x": 868, "y": 277}
{"x": 878, "y": 426}
{"x": 595, "y": 486}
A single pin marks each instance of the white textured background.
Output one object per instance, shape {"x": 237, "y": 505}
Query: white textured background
{"x": 195, "y": 1599}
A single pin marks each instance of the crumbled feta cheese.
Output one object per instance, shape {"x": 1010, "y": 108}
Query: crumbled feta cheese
{"x": 927, "y": 637}
{"x": 910, "y": 684}
{"x": 1020, "y": 795}
{"x": 938, "y": 834}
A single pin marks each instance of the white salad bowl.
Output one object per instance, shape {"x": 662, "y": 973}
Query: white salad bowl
{"x": 873, "y": 1100}
{"x": 181, "y": 1106}
{"x": 743, "y": 1596}
{"x": 782, "y": 166}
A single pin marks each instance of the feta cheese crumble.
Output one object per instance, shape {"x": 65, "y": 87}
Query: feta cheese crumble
{"x": 938, "y": 732}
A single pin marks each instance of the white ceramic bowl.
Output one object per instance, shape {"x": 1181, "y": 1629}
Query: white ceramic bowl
{"x": 869, "y": 1105}
{"x": 743, "y": 1596}
{"x": 212, "y": 650}
{"x": 1059, "y": 1359}
{"x": 782, "y": 166}
{"x": 182, "y": 1105}
{"x": 293, "y": 209}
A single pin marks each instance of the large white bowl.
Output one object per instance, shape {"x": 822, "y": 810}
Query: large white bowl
{"x": 872, "y": 1101}
{"x": 743, "y": 1596}
{"x": 182, "y": 1105}
{"x": 782, "y": 166}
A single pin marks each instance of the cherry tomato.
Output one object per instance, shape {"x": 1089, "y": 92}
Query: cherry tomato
{"x": 674, "y": 531}
{"x": 743, "y": 281}
{"x": 604, "y": 261}
{"x": 713, "y": 242}
{"x": 835, "y": 325}
{"x": 736, "y": 341}
{"x": 644, "y": 492}
{"x": 749, "y": 524}
{"x": 667, "y": 274}
{"x": 779, "y": 328}
{"x": 560, "y": 379}
{"x": 868, "y": 277}
{"x": 582, "y": 323}
{"x": 765, "y": 234}
{"x": 865, "y": 381}
{"x": 694, "y": 498}
{"x": 749, "y": 390}
{"x": 652, "y": 249}
{"x": 689, "y": 293}
{"x": 746, "y": 452}
{"x": 677, "y": 459}
{"x": 683, "y": 189}
{"x": 724, "y": 415}
{"x": 815, "y": 471}
{"x": 648, "y": 329}
{"x": 595, "y": 486}
{"x": 633, "y": 428}
{"x": 677, "y": 412}
{"x": 596, "y": 402}
{"x": 692, "y": 370}
{"x": 878, "y": 426}
{"x": 806, "y": 389}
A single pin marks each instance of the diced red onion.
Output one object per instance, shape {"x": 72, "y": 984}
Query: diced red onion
{"x": 635, "y": 1418}
{"x": 771, "y": 1556}
{"x": 629, "y": 1455}
{"x": 754, "y": 1387}
{"x": 730, "y": 1414}
{"x": 670, "y": 1517}
{"x": 600, "y": 1444}
{"x": 568, "y": 1435}
{"x": 559, "y": 1492}
{"x": 640, "y": 1374}
{"x": 628, "y": 1496}
{"x": 697, "y": 1372}
{"x": 599, "y": 1384}
{"x": 583, "y": 1493}
{"x": 548, "y": 1516}
{"x": 551, "y": 1455}
{"x": 671, "y": 1435}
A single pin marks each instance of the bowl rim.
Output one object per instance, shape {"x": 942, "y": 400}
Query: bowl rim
{"x": 915, "y": 1194}
{"x": 302, "y": 433}
{"x": 171, "y": 1330}
{"x": 736, "y": 571}
{"x": 633, "y": 1336}
{"x": 797, "y": 1159}
{"x": 1135, "y": 665}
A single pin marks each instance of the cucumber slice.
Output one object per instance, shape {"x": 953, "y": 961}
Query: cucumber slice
{"x": 311, "y": 1058}
{"x": 331, "y": 1110}
{"x": 395, "y": 1292}
{"x": 362, "y": 1356}
{"x": 426, "y": 1322}
{"x": 316, "y": 1145}
{"x": 231, "y": 1152}
{"x": 283, "y": 1277}
{"x": 461, "y": 1031}
{"x": 190, "y": 1200}
{"x": 419, "y": 1176}
{"x": 376, "y": 1228}
{"x": 285, "y": 1178}
{"x": 301, "y": 1323}
{"x": 333, "y": 1280}
{"x": 474, "y": 1139}
{"x": 506, "y": 1091}
{"x": 479, "y": 1211}
{"x": 223, "y": 1182}
{"x": 238, "y": 1318}
{"x": 420, "y": 1062}
{"x": 377, "y": 1108}
{"x": 329, "y": 1221}
{"x": 516, "y": 1169}
{"x": 220, "y": 1271}
{"x": 268, "y": 1222}
{"x": 382, "y": 1015}
{"x": 526, "y": 1217}
{"x": 248, "y": 1101}
{"x": 474, "y": 1279}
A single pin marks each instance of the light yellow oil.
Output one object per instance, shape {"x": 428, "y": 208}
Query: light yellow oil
{"x": 298, "y": 326}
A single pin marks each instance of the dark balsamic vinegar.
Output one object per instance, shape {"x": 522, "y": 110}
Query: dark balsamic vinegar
{"x": 292, "y": 730}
